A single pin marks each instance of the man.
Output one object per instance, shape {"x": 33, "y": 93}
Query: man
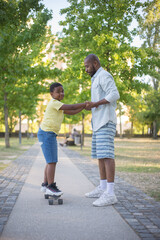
{"x": 104, "y": 95}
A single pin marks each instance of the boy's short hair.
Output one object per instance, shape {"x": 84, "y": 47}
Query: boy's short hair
{"x": 54, "y": 85}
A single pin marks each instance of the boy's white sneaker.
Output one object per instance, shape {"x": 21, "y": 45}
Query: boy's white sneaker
{"x": 96, "y": 193}
{"x": 105, "y": 200}
{"x": 44, "y": 187}
{"x": 52, "y": 189}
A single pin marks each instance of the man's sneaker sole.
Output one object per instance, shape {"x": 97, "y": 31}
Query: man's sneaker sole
{"x": 96, "y": 193}
{"x": 91, "y": 196}
{"x": 107, "y": 203}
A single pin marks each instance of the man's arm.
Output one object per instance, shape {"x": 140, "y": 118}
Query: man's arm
{"x": 109, "y": 87}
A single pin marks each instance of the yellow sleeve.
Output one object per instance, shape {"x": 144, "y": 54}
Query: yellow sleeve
{"x": 57, "y": 104}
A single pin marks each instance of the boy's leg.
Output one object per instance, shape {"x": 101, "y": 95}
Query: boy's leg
{"x": 51, "y": 168}
{"x": 45, "y": 174}
{"x": 52, "y": 189}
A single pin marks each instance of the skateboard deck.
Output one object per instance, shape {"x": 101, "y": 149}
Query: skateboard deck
{"x": 52, "y": 199}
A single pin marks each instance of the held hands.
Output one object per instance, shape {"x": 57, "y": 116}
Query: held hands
{"x": 90, "y": 105}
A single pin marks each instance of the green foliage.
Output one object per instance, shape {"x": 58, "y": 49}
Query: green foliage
{"x": 99, "y": 27}
{"x": 25, "y": 40}
{"x": 149, "y": 29}
{"x": 152, "y": 100}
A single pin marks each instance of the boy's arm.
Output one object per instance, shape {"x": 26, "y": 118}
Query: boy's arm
{"x": 72, "y": 106}
{"x": 90, "y": 105}
{"x": 72, "y": 112}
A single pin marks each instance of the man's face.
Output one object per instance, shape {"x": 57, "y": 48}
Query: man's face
{"x": 89, "y": 67}
{"x": 58, "y": 93}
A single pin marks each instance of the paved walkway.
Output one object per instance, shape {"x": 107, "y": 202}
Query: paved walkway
{"x": 25, "y": 214}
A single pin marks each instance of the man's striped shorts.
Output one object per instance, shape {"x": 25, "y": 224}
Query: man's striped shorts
{"x": 103, "y": 141}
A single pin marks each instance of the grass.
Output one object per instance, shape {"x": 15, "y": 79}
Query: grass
{"x": 137, "y": 155}
{"x": 137, "y": 161}
{"x": 132, "y": 155}
{"x": 7, "y": 155}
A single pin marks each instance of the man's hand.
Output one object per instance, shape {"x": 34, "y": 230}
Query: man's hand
{"x": 90, "y": 105}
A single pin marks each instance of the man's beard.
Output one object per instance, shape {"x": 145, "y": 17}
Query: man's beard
{"x": 93, "y": 71}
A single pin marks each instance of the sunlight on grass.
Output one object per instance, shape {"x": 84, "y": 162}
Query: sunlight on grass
{"x": 137, "y": 162}
{"x": 138, "y": 168}
{"x": 7, "y": 155}
{"x": 132, "y": 155}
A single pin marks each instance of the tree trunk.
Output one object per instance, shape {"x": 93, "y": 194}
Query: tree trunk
{"x": 20, "y": 134}
{"x": 7, "y": 144}
{"x": 70, "y": 128}
{"x": 132, "y": 129}
{"x": 154, "y": 129}
{"x": 120, "y": 114}
{"x": 27, "y": 127}
{"x": 82, "y": 136}
{"x": 155, "y": 83}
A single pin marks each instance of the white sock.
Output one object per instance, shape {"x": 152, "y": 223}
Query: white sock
{"x": 103, "y": 184}
{"x": 110, "y": 188}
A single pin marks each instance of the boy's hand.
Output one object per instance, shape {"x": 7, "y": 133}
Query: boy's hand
{"x": 89, "y": 105}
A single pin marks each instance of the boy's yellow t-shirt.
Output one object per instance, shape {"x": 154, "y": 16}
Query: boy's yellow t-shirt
{"x": 53, "y": 117}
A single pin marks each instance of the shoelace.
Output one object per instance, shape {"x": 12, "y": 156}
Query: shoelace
{"x": 56, "y": 187}
{"x": 103, "y": 196}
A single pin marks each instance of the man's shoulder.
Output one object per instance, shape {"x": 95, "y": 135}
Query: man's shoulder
{"x": 104, "y": 73}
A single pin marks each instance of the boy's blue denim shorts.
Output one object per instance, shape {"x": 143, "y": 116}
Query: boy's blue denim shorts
{"x": 48, "y": 144}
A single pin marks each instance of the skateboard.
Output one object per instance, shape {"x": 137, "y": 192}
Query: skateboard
{"x": 53, "y": 198}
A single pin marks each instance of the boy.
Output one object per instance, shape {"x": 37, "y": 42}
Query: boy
{"x": 48, "y": 131}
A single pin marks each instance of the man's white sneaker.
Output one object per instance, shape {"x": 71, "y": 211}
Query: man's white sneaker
{"x": 105, "y": 200}
{"x": 96, "y": 193}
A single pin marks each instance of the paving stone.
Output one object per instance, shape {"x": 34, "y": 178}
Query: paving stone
{"x": 12, "y": 180}
{"x": 139, "y": 210}
{"x": 1, "y": 228}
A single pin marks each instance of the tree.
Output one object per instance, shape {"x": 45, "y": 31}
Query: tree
{"x": 152, "y": 113}
{"x": 99, "y": 27}
{"x": 25, "y": 39}
{"x": 149, "y": 26}
{"x": 136, "y": 111}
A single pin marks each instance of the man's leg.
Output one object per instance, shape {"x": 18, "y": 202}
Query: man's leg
{"x": 103, "y": 174}
{"x": 110, "y": 169}
{"x": 102, "y": 169}
{"x": 108, "y": 197}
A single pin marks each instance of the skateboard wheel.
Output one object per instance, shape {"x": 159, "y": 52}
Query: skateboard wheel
{"x": 46, "y": 196}
{"x": 60, "y": 201}
{"x": 50, "y": 201}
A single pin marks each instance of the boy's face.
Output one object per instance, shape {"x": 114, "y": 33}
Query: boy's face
{"x": 58, "y": 93}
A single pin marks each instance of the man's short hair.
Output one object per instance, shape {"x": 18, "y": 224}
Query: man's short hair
{"x": 92, "y": 58}
{"x": 54, "y": 85}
